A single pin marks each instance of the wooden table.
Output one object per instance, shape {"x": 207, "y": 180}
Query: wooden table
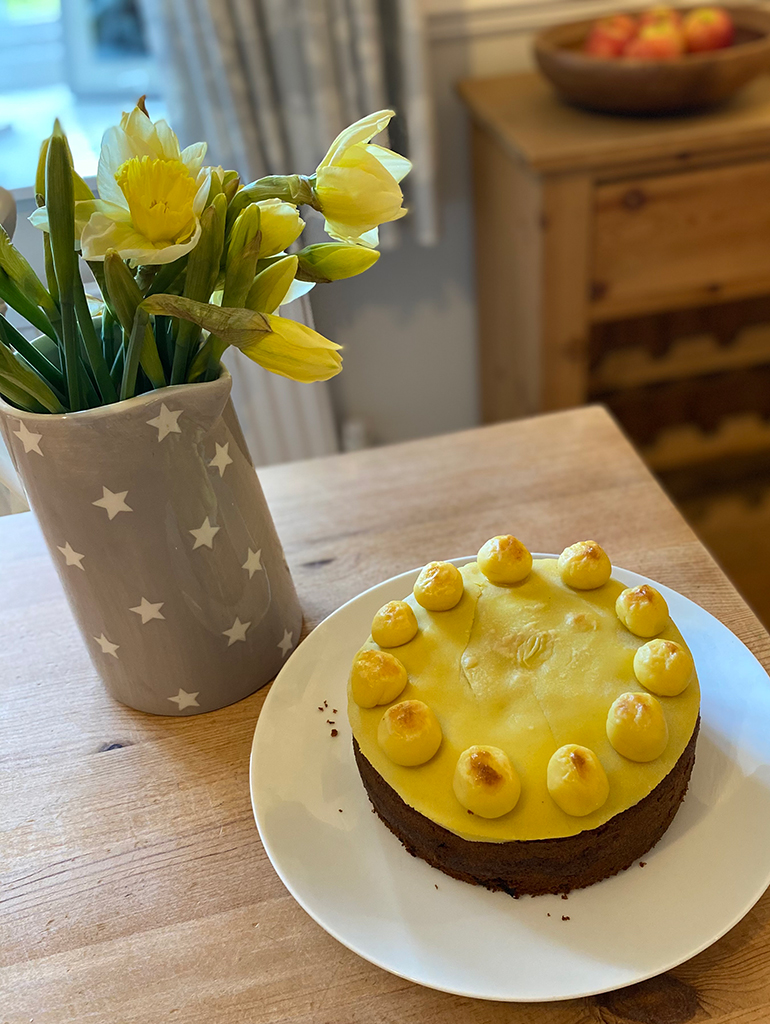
{"x": 133, "y": 886}
{"x": 584, "y": 219}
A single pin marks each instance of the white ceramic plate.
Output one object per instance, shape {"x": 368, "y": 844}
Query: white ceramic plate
{"x": 356, "y": 880}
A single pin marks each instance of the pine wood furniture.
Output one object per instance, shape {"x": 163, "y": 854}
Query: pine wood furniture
{"x": 586, "y": 219}
{"x": 133, "y": 886}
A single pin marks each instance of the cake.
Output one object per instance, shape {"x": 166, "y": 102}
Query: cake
{"x": 525, "y": 725}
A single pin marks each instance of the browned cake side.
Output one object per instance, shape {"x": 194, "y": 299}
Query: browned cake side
{"x": 539, "y": 866}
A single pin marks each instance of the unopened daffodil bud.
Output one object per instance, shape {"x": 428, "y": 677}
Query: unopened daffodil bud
{"x": 576, "y": 780}
{"x": 504, "y": 560}
{"x": 293, "y": 350}
{"x": 271, "y": 285}
{"x": 394, "y": 624}
{"x": 334, "y": 261}
{"x": 485, "y": 782}
{"x": 664, "y": 666}
{"x": 281, "y": 225}
{"x": 636, "y": 726}
{"x": 409, "y": 733}
{"x": 439, "y": 586}
{"x": 584, "y": 566}
{"x": 376, "y": 677}
{"x": 356, "y": 184}
{"x": 642, "y": 610}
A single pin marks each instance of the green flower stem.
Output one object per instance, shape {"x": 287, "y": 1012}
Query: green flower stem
{"x": 291, "y": 188}
{"x": 200, "y": 363}
{"x": 125, "y": 296}
{"x": 35, "y": 358}
{"x": 116, "y": 371}
{"x": 133, "y": 354}
{"x": 16, "y": 299}
{"x": 166, "y": 276}
{"x": 53, "y": 288}
{"x": 91, "y": 342}
{"x": 14, "y": 369}
{"x": 202, "y": 272}
{"x": 61, "y": 219}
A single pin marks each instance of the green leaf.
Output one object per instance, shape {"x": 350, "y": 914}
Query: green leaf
{"x": 47, "y": 370}
{"x": 22, "y": 376}
{"x": 125, "y": 297}
{"x": 61, "y": 222}
{"x": 24, "y": 277}
{"x": 16, "y": 299}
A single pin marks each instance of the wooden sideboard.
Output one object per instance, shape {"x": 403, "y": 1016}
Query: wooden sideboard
{"x": 626, "y": 260}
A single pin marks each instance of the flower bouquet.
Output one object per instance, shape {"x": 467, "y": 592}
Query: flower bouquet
{"x": 118, "y": 416}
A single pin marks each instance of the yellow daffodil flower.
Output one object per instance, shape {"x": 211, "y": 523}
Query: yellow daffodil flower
{"x": 356, "y": 183}
{"x": 151, "y": 194}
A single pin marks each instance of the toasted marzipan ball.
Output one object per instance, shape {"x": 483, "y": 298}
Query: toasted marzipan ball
{"x": 576, "y": 780}
{"x": 409, "y": 733}
{"x": 439, "y": 586}
{"x": 504, "y": 560}
{"x": 642, "y": 610}
{"x": 486, "y": 782}
{"x": 664, "y": 666}
{"x": 376, "y": 678}
{"x": 636, "y": 726}
{"x": 394, "y": 624}
{"x": 585, "y": 565}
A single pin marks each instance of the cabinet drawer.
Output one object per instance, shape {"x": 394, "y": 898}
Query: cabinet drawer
{"x": 665, "y": 241}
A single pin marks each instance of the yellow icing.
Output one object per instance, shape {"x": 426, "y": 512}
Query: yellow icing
{"x": 526, "y": 668}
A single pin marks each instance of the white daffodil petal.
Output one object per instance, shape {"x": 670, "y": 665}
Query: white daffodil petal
{"x": 204, "y": 186}
{"x": 101, "y": 234}
{"x": 296, "y": 290}
{"x": 116, "y": 149}
{"x": 361, "y": 131}
{"x": 192, "y": 157}
{"x": 394, "y": 163}
{"x": 166, "y": 141}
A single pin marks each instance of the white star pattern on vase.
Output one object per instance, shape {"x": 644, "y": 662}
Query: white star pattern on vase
{"x": 185, "y": 700}
{"x": 254, "y": 562}
{"x": 113, "y": 502}
{"x": 30, "y": 441}
{"x": 204, "y": 535}
{"x": 166, "y": 422}
{"x": 72, "y": 557}
{"x": 107, "y": 647}
{"x": 148, "y": 610}
{"x": 236, "y": 632}
{"x": 286, "y": 643}
{"x": 222, "y": 459}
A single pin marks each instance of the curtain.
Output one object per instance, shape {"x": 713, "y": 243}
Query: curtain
{"x": 269, "y": 84}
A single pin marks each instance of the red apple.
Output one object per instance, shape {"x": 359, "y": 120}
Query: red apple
{"x": 707, "y": 28}
{"x": 659, "y": 40}
{"x": 659, "y": 13}
{"x": 608, "y": 36}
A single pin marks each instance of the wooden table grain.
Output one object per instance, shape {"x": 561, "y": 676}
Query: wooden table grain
{"x": 133, "y": 886}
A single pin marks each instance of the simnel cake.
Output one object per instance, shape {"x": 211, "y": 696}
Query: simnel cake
{"x": 525, "y": 725}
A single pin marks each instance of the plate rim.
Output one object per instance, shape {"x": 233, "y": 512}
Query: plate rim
{"x": 414, "y": 979}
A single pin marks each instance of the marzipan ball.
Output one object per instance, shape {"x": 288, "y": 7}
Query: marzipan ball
{"x": 485, "y": 782}
{"x": 636, "y": 726}
{"x": 394, "y": 624}
{"x": 576, "y": 780}
{"x": 376, "y": 678}
{"x": 664, "y": 666}
{"x": 504, "y": 560}
{"x": 409, "y": 733}
{"x": 584, "y": 566}
{"x": 439, "y": 586}
{"x": 642, "y": 610}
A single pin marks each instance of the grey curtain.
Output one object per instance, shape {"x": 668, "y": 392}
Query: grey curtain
{"x": 269, "y": 83}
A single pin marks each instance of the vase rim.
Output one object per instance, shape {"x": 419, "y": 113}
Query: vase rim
{"x": 126, "y": 405}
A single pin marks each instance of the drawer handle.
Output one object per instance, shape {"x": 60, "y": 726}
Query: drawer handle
{"x": 634, "y": 199}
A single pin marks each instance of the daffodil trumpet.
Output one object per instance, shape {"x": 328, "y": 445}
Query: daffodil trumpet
{"x": 188, "y": 260}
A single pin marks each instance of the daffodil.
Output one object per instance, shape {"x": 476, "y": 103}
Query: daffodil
{"x": 294, "y": 350}
{"x": 280, "y": 224}
{"x": 151, "y": 194}
{"x": 356, "y": 183}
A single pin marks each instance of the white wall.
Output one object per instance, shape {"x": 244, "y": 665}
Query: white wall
{"x": 408, "y": 325}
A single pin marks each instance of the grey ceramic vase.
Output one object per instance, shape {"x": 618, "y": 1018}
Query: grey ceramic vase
{"x": 155, "y": 518}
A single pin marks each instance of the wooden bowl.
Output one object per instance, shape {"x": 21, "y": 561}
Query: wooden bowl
{"x": 628, "y": 86}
